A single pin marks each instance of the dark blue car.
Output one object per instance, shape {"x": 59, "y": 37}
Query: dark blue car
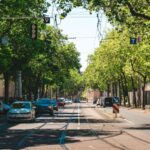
{"x": 44, "y": 105}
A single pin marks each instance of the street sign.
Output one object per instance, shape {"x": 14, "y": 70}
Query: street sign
{"x": 4, "y": 40}
{"x": 33, "y": 31}
{"x": 46, "y": 19}
{"x": 115, "y": 109}
{"x": 139, "y": 39}
{"x": 133, "y": 40}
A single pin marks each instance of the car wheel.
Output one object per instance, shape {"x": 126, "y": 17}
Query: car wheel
{"x": 51, "y": 113}
{"x": 33, "y": 119}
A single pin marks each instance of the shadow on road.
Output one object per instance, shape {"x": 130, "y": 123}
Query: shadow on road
{"x": 13, "y": 138}
{"x": 141, "y": 127}
{"x": 19, "y": 139}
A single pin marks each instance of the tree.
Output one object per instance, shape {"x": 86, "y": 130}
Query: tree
{"x": 116, "y": 60}
{"x": 16, "y": 17}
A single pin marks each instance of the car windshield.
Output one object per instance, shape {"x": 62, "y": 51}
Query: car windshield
{"x": 53, "y": 101}
{"x": 21, "y": 105}
{"x": 60, "y": 100}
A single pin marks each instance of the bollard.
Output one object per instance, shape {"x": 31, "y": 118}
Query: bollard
{"x": 115, "y": 109}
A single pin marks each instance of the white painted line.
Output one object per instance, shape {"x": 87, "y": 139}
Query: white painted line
{"x": 92, "y": 147}
{"x": 130, "y": 122}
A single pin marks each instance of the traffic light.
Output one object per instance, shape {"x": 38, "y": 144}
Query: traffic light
{"x": 33, "y": 31}
{"x": 46, "y": 19}
{"x": 133, "y": 40}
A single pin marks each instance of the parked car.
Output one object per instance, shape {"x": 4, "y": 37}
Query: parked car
{"x": 55, "y": 104}
{"x": 44, "y": 105}
{"x": 60, "y": 102}
{"x": 68, "y": 101}
{"x": 1, "y": 107}
{"x": 77, "y": 100}
{"x": 6, "y": 108}
{"x": 21, "y": 110}
{"x": 108, "y": 101}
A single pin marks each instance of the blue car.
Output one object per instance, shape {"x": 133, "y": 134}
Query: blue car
{"x": 54, "y": 104}
{"x": 6, "y": 107}
{"x": 44, "y": 105}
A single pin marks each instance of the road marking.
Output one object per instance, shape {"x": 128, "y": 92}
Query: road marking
{"x": 130, "y": 122}
{"x": 92, "y": 147}
{"x": 78, "y": 117}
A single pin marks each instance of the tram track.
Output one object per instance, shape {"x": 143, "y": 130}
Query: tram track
{"x": 60, "y": 139}
{"x": 103, "y": 128}
{"x": 84, "y": 128}
{"x": 64, "y": 132}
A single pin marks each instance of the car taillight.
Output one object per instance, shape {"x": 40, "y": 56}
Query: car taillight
{"x": 50, "y": 107}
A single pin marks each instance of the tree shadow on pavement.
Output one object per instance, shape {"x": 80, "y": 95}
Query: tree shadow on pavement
{"x": 141, "y": 127}
{"x": 19, "y": 139}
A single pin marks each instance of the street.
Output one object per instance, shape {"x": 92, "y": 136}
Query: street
{"x": 74, "y": 127}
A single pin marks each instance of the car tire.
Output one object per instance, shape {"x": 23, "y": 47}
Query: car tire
{"x": 51, "y": 113}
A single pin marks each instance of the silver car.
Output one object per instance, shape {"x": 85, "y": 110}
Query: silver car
{"x": 21, "y": 110}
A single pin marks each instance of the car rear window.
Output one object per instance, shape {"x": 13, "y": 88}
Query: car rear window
{"x": 108, "y": 99}
{"x": 44, "y": 101}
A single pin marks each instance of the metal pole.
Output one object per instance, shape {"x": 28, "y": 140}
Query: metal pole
{"x": 20, "y": 84}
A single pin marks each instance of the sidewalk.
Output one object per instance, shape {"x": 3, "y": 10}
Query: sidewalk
{"x": 108, "y": 111}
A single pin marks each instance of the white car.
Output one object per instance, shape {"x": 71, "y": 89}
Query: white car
{"x": 68, "y": 101}
{"x": 21, "y": 110}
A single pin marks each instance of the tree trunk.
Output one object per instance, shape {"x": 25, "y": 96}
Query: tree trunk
{"x": 120, "y": 92}
{"x": 108, "y": 89}
{"x": 133, "y": 90}
{"x": 46, "y": 91}
{"x": 139, "y": 91}
{"x": 116, "y": 88}
{"x": 143, "y": 90}
{"x": 6, "y": 85}
{"x": 42, "y": 90}
{"x": 56, "y": 94}
{"x": 125, "y": 89}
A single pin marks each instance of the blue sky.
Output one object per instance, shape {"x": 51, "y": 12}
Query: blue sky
{"x": 82, "y": 27}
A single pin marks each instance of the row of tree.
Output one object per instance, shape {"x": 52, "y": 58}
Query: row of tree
{"x": 116, "y": 61}
{"x": 50, "y": 60}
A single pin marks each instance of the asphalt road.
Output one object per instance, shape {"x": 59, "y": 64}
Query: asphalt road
{"x": 76, "y": 127}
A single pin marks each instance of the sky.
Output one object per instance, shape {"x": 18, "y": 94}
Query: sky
{"x": 81, "y": 28}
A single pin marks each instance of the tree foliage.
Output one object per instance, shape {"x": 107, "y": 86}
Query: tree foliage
{"x": 44, "y": 61}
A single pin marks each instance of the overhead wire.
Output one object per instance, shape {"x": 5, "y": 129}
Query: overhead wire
{"x": 99, "y": 25}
